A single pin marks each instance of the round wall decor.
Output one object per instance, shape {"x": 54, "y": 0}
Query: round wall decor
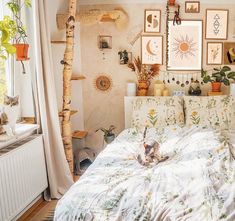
{"x": 103, "y": 83}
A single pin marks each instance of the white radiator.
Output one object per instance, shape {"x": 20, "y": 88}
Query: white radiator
{"x": 22, "y": 175}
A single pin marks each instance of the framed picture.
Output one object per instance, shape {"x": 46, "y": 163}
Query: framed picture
{"x": 125, "y": 57}
{"x": 104, "y": 42}
{"x": 192, "y": 7}
{"x": 214, "y": 53}
{"x": 229, "y": 53}
{"x": 152, "y": 21}
{"x": 185, "y": 46}
{"x": 217, "y": 24}
{"x": 151, "y": 49}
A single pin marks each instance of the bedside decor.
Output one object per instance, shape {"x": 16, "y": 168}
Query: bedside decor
{"x": 144, "y": 73}
{"x": 229, "y": 53}
{"x": 192, "y": 7}
{"x": 217, "y": 24}
{"x": 219, "y": 76}
{"x": 109, "y": 136}
{"x": 214, "y": 53}
{"x": 184, "y": 51}
{"x": 152, "y": 21}
{"x": 151, "y": 49}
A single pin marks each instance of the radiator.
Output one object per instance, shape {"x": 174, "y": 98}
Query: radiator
{"x": 22, "y": 176}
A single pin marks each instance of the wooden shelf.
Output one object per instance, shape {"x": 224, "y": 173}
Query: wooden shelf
{"x": 79, "y": 134}
{"x": 77, "y": 77}
{"x": 72, "y": 112}
{"x": 58, "y": 42}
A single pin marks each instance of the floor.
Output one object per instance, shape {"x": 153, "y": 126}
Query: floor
{"x": 41, "y": 210}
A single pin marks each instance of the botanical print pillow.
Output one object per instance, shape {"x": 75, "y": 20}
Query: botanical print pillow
{"x": 157, "y": 112}
{"x": 213, "y": 111}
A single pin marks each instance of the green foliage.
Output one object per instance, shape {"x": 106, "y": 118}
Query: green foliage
{"x": 7, "y": 32}
{"x": 223, "y": 75}
{"x": 107, "y": 132}
{"x": 15, "y": 7}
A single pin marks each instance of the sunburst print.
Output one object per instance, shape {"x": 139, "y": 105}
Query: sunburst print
{"x": 184, "y": 47}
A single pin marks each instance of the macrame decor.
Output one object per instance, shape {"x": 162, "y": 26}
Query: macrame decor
{"x": 103, "y": 83}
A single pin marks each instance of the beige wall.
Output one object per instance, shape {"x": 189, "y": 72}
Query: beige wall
{"x": 103, "y": 109}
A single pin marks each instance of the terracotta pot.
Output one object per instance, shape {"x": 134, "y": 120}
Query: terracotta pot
{"x": 143, "y": 87}
{"x": 21, "y": 52}
{"x": 171, "y": 2}
{"x": 216, "y": 86}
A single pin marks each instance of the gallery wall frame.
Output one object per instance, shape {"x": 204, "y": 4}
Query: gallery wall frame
{"x": 229, "y": 53}
{"x": 188, "y": 5}
{"x": 214, "y": 54}
{"x": 217, "y": 24}
{"x": 152, "y": 21}
{"x": 152, "y": 49}
{"x": 185, "y": 45}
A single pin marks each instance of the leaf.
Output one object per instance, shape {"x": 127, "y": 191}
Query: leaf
{"x": 28, "y": 3}
{"x": 226, "y": 68}
{"x": 231, "y": 74}
{"x": 226, "y": 82}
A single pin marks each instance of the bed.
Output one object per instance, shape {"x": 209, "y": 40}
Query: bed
{"x": 196, "y": 183}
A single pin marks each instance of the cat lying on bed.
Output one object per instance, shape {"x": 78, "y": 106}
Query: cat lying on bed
{"x": 150, "y": 155}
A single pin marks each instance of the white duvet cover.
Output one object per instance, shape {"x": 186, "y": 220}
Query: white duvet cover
{"x": 197, "y": 182}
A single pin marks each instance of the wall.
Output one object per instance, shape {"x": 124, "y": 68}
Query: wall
{"x": 104, "y": 109}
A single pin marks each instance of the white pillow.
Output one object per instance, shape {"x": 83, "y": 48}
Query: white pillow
{"x": 157, "y": 112}
{"x": 212, "y": 111}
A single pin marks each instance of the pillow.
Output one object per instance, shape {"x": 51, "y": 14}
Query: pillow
{"x": 157, "y": 112}
{"x": 212, "y": 111}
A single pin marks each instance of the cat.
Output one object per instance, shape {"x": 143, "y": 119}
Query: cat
{"x": 150, "y": 155}
{"x": 11, "y": 109}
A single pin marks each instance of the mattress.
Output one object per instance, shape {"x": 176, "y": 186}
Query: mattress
{"x": 197, "y": 182}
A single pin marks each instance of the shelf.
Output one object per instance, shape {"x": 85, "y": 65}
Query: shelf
{"x": 77, "y": 77}
{"x": 72, "y": 112}
{"x": 58, "y": 42}
{"x": 79, "y": 134}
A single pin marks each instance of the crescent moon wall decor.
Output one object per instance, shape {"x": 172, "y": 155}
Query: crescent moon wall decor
{"x": 103, "y": 83}
{"x": 152, "y": 21}
{"x": 152, "y": 49}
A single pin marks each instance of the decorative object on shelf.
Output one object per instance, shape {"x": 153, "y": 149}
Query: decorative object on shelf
{"x": 124, "y": 57}
{"x": 144, "y": 73}
{"x": 109, "y": 136}
{"x": 232, "y": 89}
{"x": 229, "y": 53}
{"x": 192, "y": 6}
{"x": 177, "y": 19}
{"x": 217, "y": 24}
{"x": 131, "y": 89}
{"x": 152, "y": 49}
{"x": 178, "y": 93}
{"x": 219, "y": 76}
{"x": 194, "y": 88}
{"x": 166, "y": 92}
{"x": 214, "y": 53}
{"x": 152, "y": 21}
{"x": 171, "y": 2}
{"x": 103, "y": 83}
{"x": 159, "y": 86}
{"x": 185, "y": 46}
{"x": 105, "y": 42}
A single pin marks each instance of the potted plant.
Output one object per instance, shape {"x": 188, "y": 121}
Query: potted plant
{"x": 219, "y": 76}
{"x": 109, "y": 136}
{"x": 7, "y": 32}
{"x": 21, "y": 44}
{"x": 145, "y": 73}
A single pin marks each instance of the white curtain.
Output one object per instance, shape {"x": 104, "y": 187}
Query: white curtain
{"x": 59, "y": 176}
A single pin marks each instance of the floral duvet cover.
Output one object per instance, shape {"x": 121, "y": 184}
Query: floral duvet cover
{"x": 197, "y": 182}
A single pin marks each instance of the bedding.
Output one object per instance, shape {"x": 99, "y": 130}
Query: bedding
{"x": 157, "y": 112}
{"x": 212, "y": 111}
{"x": 197, "y": 182}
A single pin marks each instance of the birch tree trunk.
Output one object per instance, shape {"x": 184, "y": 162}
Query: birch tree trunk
{"x": 67, "y": 74}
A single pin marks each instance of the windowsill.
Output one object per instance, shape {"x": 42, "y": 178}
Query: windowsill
{"x": 22, "y": 131}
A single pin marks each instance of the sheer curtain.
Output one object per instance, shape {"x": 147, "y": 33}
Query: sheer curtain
{"x": 59, "y": 175}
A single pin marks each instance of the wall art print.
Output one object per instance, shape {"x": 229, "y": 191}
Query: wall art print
{"x": 152, "y": 21}
{"x": 185, "y": 45}
{"x": 214, "y": 53}
{"x": 192, "y": 7}
{"x": 217, "y": 24}
{"x": 229, "y": 53}
{"x": 151, "y": 49}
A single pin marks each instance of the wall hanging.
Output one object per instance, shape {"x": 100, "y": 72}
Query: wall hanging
{"x": 104, "y": 42}
{"x": 229, "y": 53}
{"x": 217, "y": 23}
{"x": 185, "y": 45}
{"x": 192, "y": 7}
{"x": 124, "y": 57}
{"x": 214, "y": 53}
{"x": 103, "y": 83}
{"x": 152, "y": 21}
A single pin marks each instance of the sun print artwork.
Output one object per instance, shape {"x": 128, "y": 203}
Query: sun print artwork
{"x": 151, "y": 49}
{"x": 185, "y": 45}
{"x": 152, "y": 22}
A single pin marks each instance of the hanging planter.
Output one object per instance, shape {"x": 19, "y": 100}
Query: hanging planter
{"x": 21, "y": 52}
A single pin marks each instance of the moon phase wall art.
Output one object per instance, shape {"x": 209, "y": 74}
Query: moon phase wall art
{"x": 151, "y": 49}
{"x": 185, "y": 46}
{"x": 152, "y": 22}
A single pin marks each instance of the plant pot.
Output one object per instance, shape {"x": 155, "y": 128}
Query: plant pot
{"x": 21, "y": 52}
{"x": 109, "y": 139}
{"x": 216, "y": 86}
{"x": 171, "y": 2}
{"x": 143, "y": 87}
